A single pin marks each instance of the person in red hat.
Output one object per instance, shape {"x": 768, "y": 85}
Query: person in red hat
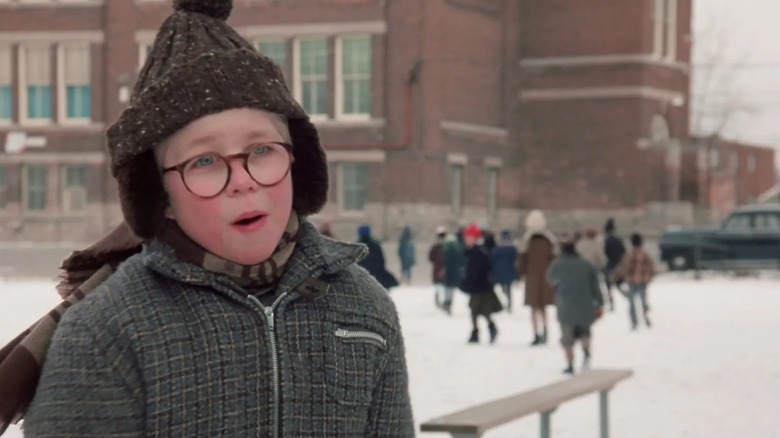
{"x": 482, "y": 300}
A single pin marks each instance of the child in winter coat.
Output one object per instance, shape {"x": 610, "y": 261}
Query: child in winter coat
{"x": 482, "y": 300}
{"x": 578, "y": 300}
{"x": 438, "y": 271}
{"x": 637, "y": 269}
{"x": 503, "y": 266}
{"x": 237, "y": 318}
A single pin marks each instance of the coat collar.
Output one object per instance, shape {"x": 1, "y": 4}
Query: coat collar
{"x": 315, "y": 256}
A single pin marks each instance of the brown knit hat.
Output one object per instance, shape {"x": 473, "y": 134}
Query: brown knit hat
{"x": 199, "y": 66}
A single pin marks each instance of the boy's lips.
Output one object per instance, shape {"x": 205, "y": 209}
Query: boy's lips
{"x": 250, "y": 221}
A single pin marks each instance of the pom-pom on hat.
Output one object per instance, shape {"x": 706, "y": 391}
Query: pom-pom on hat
{"x": 198, "y": 66}
{"x": 472, "y": 231}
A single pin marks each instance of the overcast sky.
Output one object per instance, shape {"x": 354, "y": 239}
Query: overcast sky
{"x": 742, "y": 40}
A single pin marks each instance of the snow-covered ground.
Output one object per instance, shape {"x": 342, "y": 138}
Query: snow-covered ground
{"x": 709, "y": 367}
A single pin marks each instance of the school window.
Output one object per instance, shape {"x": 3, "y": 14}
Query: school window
{"x": 354, "y": 186}
{"x": 492, "y": 191}
{"x": 277, "y": 51}
{"x": 314, "y": 76}
{"x": 37, "y": 72}
{"x": 6, "y": 86}
{"x": 356, "y": 75}
{"x": 3, "y": 186}
{"x": 751, "y": 164}
{"x": 144, "y": 49}
{"x": 76, "y": 76}
{"x": 714, "y": 159}
{"x": 74, "y": 196}
{"x": 665, "y": 29}
{"x": 36, "y": 183}
{"x": 456, "y": 189}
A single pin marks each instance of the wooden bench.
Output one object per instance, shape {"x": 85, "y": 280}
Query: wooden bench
{"x": 476, "y": 420}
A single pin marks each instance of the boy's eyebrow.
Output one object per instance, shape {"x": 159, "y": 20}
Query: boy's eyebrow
{"x": 206, "y": 140}
{"x": 262, "y": 133}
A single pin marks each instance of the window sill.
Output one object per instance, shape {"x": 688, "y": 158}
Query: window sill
{"x": 350, "y": 123}
{"x": 51, "y": 126}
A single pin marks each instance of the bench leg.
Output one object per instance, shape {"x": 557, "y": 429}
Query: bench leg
{"x": 604, "y": 410}
{"x": 544, "y": 429}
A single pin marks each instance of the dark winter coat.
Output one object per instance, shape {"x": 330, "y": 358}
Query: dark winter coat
{"x": 503, "y": 263}
{"x": 476, "y": 281}
{"x": 577, "y": 290}
{"x": 436, "y": 257}
{"x": 454, "y": 263}
{"x": 533, "y": 266}
{"x": 166, "y": 348}
{"x": 374, "y": 263}
{"x": 614, "y": 250}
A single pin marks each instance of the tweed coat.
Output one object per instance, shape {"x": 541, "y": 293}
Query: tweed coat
{"x": 166, "y": 348}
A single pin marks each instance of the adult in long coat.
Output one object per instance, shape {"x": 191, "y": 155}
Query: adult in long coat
{"x": 454, "y": 265}
{"x": 374, "y": 262}
{"x": 538, "y": 249}
{"x": 436, "y": 257}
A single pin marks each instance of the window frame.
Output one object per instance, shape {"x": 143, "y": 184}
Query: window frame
{"x": 299, "y": 77}
{"x": 456, "y": 188}
{"x": 24, "y": 85}
{"x": 342, "y": 186}
{"x": 62, "y": 89}
{"x": 67, "y": 187}
{"x": 26, "y": 189}
{"x": 339, "y": 77}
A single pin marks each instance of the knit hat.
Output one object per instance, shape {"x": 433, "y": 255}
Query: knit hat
{"x": 364, "y": 230}
{"x": 472, "y": 231}
{"x": 198, "y": 66}
{"x": 535, "y": 221}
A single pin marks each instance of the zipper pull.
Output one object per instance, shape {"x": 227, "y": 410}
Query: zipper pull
{"x": 269, "y": 316}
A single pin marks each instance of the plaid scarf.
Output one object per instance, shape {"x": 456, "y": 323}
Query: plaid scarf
{"x": 22, "y": 358}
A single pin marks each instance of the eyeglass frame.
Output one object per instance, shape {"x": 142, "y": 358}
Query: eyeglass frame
{"x": 227, "y": 159}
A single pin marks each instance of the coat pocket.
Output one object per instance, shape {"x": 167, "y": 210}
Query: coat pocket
{"x": 355, "y": 354}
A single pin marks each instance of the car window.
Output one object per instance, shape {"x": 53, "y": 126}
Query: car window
{"x": 738, "y": 222}
{"x": 767, "y": 221}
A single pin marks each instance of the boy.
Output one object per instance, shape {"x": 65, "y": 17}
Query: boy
{"x": 637, "y": 269}
{"x": 578, "y": 299}
{"x": 237, "y": 318}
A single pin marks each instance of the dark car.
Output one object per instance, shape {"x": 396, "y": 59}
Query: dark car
{"x": 748, "y": 239}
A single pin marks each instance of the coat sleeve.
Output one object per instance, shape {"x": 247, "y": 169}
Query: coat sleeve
{"x": 87, "y": 388}
{"x": 390, "y": 414}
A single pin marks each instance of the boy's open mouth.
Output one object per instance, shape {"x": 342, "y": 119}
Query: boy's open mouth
{"x": 248, "y": 219}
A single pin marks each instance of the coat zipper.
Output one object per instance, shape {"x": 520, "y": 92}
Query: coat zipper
{"x": 268, "y": 312}
{"x": 361, "y": 334}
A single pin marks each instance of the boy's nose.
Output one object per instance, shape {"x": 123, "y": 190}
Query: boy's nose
{"x": 240, "y": 180}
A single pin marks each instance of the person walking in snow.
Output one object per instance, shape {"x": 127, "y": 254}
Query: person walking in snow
{"x": 614, "y": 250}
{"x": 578, "y": 300}
{"x": 538, "y": 248}
{"x": 454, "y": 266}
{"x": 407, "y": 254}
{"x": 436, "y": 257}
{"x": 482, "y": 299}
{"x": 637, "y": 269}
{"x": 374, "y": 261}
{"x": 503, "y": 266}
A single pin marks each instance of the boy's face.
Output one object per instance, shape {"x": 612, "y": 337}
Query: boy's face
{"x": 244, "y": 222}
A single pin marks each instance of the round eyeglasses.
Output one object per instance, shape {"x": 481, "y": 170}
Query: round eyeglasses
{"x": 207, "y": 175}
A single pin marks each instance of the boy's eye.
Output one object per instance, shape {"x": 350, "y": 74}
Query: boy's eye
{"x": 205, "y": 161}
{"x": 261, "y": 149}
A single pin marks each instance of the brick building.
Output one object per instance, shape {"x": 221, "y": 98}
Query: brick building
{"x": 432, "y": 112}
{"x": 725, "y": 174}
